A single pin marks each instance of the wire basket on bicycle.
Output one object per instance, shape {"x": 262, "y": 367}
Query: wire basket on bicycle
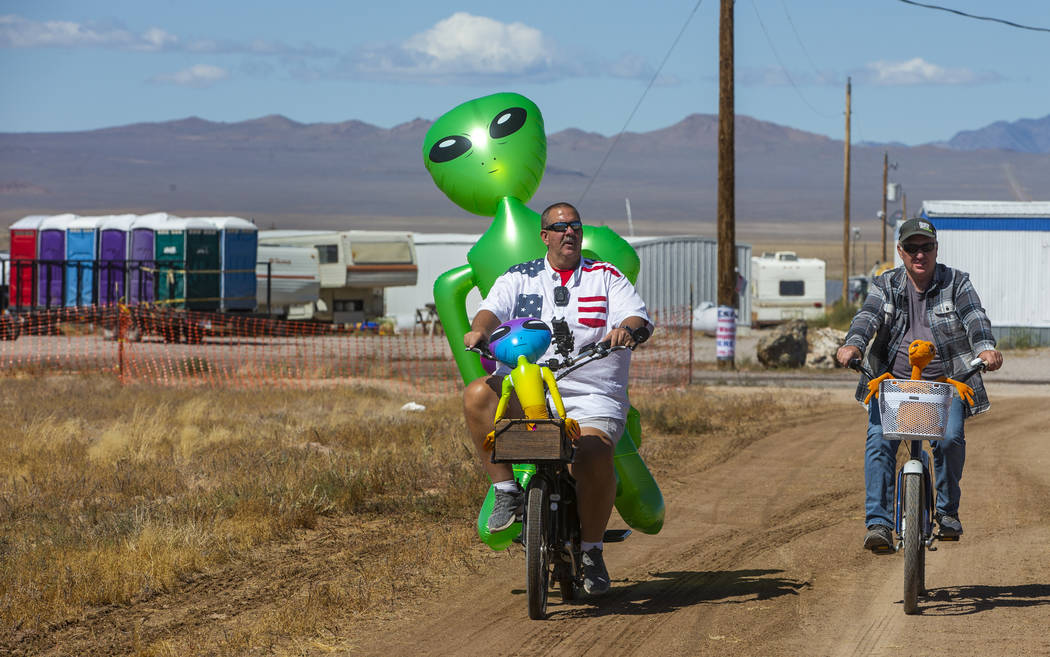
{"x": 914, "y": 409}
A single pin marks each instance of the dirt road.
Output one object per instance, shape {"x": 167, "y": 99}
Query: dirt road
{"x": 761, "y": 555}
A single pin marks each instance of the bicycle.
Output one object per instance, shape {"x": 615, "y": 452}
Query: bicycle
{"x": 551, "y": 524}
{"x": 915, "y": 410}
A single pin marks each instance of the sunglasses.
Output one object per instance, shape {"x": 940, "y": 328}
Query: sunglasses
{"x": 925, "y": 247}
{"x": 562, "y": 226}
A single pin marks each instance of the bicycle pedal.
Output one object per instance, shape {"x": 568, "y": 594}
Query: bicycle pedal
{"x": 950, "y": 539}
{"x": 882, "y": 549}
{"x": 615, "y": 535}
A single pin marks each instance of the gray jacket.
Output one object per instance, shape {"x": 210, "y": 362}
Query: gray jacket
{"x": 960, "y": 326}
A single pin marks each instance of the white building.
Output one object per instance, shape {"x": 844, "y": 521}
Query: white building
{"x": 1005, "y": 247}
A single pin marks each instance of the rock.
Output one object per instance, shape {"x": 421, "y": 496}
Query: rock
{"x": 823, "y": 343}
{"x": 785, "y": 346}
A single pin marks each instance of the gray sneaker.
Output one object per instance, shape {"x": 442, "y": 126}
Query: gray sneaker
{"x": 878, "y": 539}
{"x": 595, "y": 576}
{"x": 506, "y": 509}
{"x": 949, "y": 526}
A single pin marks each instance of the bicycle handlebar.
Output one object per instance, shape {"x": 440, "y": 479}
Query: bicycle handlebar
{"x": 595, "y": 351}
{"x": 976, "y": 365}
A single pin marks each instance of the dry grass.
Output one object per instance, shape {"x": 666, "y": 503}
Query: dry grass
{"x": 120, "y": 495}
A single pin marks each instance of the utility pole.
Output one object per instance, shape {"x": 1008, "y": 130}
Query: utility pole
{"x": 885, "y": 182}
{"x": 845, "y": 206}
{"x": 727, "y": 272}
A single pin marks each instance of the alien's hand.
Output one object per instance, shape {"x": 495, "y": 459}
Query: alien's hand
{"x": 873, "y": 386}
{"x": 572, "y": 429}
{"x": 490, "y": 441}
{"x": 965, "y": 391}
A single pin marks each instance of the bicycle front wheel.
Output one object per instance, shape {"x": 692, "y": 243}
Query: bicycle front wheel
{"x": 537, "y": 556}
{"x": 914, "y": 550}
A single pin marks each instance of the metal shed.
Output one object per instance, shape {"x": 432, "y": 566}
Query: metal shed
{"x": 1005, "y": 247}
{"x": 670, "y": 264}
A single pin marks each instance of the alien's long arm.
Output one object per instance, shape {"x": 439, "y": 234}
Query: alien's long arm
{"x": 501, "y": 409}
{"x": 873, "y": 386}
{"x": 965, "y": 391}
{"x": 450, "y": 299}
{"x": 572, "y": 427}
{"x": 504, "y": 398}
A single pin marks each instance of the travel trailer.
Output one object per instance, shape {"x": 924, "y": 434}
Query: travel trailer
{"x": 785, "y": 287}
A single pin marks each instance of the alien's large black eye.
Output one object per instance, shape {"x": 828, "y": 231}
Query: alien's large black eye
{"x": 499, "y": 333}
{"x": 449, "y": 149}
{"x": 507, "y": 122}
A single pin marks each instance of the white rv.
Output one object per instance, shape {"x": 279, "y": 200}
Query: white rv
{"x": 288, "y": 281}
{"x": 784, "y": 286}
{"x": 356, "y": 266}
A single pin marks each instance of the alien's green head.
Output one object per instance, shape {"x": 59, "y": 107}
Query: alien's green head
{"x": 486, "y": 149}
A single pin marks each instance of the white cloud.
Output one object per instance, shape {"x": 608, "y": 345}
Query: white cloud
{"x": 201, "y": 75}
{"x": 462, "y": 45}
{"x": 18, "y": 32}
{"x": 917, "y": 71}
{"x": 466, "y": 43}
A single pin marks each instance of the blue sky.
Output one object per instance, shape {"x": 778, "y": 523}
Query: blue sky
{"x": 919, "y": 75}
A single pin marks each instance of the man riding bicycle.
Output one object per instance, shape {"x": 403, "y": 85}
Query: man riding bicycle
{"x": 598, "y": 303}
{"x": 922, "y": 300}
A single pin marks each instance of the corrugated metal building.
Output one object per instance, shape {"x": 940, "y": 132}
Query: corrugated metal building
{"x": 1005, "y": 247}
{"x": 668, "y": 266}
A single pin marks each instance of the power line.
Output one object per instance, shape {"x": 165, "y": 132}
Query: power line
{"x": 639, "y": 103}
{"x": 980, "y": 18}
{"x": 784, "y": 68}
{"x": 799, "y": 39}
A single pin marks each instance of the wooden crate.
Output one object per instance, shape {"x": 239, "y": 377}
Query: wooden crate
{"x": 516, "y": 443}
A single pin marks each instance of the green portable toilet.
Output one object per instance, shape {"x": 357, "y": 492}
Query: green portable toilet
{"x": 187, "y": 261}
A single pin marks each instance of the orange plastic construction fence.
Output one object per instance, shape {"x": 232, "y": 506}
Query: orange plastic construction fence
{"x": 159, "y": 345}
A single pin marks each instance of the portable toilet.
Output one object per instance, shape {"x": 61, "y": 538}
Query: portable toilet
{"x": 238, "y": 247}
{"x": 187, "y": 257}
{"x": 51, "y": 258}
{"x": 81, "y": 248}
{"x": 23, "y": 260}
{"x": 112, "y": 257}
{"x": 142, "y": 257}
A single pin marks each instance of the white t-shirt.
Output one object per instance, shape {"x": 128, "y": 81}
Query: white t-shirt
{"x": 600, "y": 299}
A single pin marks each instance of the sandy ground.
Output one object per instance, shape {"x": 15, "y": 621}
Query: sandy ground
{"x": 760, "y": 555}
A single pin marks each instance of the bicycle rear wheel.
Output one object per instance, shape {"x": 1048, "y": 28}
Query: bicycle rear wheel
{"x": 914, "y": 550}
{"x": 537, "y": 556}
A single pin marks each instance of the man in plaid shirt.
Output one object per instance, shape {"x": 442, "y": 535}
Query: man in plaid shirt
{"x": 921, "y": 301}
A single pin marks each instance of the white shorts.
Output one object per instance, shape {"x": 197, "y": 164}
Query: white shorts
{"x": 610, "y": 426}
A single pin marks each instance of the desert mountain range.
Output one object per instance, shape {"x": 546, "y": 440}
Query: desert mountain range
{"x": 355, "y": 175}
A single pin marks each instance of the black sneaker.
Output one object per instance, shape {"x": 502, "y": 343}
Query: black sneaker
{"x": 595, "y": 576}
{"x": 950, "y": 527}
{"x": 878, "y": 539}
{"x": 506, "y": 509}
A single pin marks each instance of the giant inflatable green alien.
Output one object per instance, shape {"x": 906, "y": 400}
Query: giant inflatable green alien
{"x": 488, "y": 156}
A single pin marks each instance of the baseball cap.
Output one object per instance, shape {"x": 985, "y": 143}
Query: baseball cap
{"x": 917, "y": 226}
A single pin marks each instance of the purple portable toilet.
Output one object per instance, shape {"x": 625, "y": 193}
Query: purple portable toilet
{"x": 112, "y": 257}
{"x": 142, "y": 258}
{"x": 51, "y": 255}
